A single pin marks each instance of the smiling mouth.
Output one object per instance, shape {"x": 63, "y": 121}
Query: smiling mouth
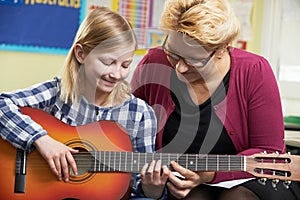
{"x": 110, "y": 83}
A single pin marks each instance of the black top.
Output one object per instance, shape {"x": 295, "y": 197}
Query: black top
{"x": 195, "y": 128}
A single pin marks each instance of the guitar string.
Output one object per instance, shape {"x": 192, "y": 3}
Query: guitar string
{"x": 88, "y": 156}
{"x": 210, "y": 162}
{"x": 109, "y": 166}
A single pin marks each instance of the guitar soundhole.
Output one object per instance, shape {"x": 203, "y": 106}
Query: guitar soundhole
{"x": 84, "y": 161}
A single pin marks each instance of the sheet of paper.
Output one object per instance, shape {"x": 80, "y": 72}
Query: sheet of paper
{"x": 224, "y": 184}
{"x": 230, "y": 184}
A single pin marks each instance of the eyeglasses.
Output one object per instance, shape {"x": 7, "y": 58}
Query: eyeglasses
{"x": 175, "y": 58}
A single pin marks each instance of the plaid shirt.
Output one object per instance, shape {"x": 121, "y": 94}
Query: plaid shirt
{"x": 134, "y": 115}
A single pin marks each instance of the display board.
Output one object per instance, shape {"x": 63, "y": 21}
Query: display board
{"x": 47, "y": 26}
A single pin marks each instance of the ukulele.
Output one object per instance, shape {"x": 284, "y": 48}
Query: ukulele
{"x": 106, "y": 160}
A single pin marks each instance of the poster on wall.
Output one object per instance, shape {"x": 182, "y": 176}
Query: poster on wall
{"x": 47, "y": 26}
{"x": 144, "y": 16}
{"x": 243, "y": 11}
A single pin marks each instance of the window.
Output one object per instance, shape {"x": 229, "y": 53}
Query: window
{"x": 280, "y": 45}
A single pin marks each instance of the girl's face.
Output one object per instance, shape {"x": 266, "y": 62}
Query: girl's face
{"x": 105, "y": 69}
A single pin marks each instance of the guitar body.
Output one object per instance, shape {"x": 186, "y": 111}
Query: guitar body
{"x": 41, "y": 183}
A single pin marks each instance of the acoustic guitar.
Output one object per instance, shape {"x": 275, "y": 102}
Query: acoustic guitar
{"x": 106, "y": 160}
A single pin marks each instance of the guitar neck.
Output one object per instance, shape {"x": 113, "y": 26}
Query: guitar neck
{"x": 132, "y": 162}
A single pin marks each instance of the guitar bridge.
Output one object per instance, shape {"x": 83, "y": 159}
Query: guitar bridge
{"x": 20, "y": 178}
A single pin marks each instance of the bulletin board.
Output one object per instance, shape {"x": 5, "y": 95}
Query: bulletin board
{"x": 47, "y": 26}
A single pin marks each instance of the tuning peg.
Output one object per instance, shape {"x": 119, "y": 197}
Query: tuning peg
{"x": 262, "y": 181}
{"x": 274, "y": 183}
{"x": 286, "y": 184}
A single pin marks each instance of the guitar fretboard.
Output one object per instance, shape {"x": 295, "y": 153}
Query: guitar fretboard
{"x": 108, "y": 161}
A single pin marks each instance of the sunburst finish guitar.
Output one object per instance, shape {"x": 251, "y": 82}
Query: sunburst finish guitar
{"x": 105, "y": 162}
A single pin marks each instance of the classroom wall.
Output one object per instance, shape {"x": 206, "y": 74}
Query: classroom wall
{"x": 21, "y": 69}
{"x": 254, "y": 44}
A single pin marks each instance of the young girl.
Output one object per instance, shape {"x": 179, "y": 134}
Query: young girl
{"x": 92, "y": 88}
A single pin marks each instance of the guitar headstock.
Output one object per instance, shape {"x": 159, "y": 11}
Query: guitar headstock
{"x": 284, "y": 167}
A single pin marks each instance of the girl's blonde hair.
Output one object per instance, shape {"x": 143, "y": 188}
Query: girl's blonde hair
{"x": 211, "y": 22}
{"x": 102, "y": 28}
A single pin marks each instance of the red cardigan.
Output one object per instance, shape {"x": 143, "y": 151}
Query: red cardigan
{"x": 251, "y": 112}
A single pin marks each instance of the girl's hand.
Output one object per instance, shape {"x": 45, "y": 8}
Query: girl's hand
{"x": 58, "y": 156}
